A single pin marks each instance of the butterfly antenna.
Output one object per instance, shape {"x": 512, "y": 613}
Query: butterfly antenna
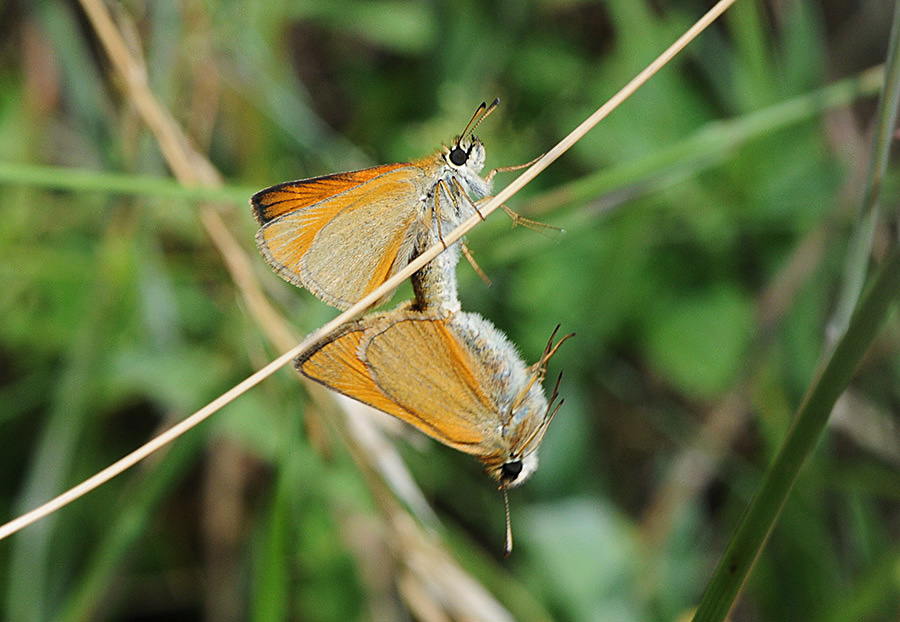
{"x": 484, "y": 115}
{"x": 508, "y": 542}
{"x": 480, "y": 115}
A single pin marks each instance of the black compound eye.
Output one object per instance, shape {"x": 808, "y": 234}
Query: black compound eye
{"x": 510, "y": 471}
{"x": 458, "y": 156}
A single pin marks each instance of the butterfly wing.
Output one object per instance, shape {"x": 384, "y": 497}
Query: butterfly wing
{"x": 341, "y": 236}
{"x": 336, "y": 364}
{"x": 423, "y": 366}
{"x": 414, "y": 369}
{"x": 278, "y": 200}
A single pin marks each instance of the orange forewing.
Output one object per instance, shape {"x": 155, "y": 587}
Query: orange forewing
{"x": 346, "y": 244}
{"x": 413, "y": 368}
{"x": 289, "y": 196}
{"x": 336, "y": 365}
{"x": 422, "y": 366}
{"x": 288, "y": 239}
{"x": 337, "y": 362}
{"x": 386, "y": 265}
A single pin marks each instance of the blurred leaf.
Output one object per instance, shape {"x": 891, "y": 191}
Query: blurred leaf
{"x": 698, "y": 342}
{"x": 587, "y": 554}
{"x": 403, "y": 26}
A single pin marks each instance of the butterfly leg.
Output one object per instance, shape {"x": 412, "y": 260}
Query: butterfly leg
{"x": 518, "y": 219}
{"x": 436, "y": 209}
{"x": 461, "y": 192}
{"x": 454, "y": 198}
{"x": 471, "y": 259}
{"x": 528, "y": 223}
{"x": 507, "y": 169}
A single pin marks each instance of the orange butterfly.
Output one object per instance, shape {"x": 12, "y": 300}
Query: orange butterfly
{"x": 341, "y": 236}
{"x": 453, "y": 376}
{"x": 457, "y": 379}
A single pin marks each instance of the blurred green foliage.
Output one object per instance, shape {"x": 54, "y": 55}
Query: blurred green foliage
{"x": 706, "y": 225}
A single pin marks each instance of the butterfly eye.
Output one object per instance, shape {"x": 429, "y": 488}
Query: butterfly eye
{"x": 510, "y": 471}
{"x": 458, "y": 156}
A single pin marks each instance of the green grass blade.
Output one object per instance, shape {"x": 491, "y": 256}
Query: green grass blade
{"x": 862, "y": 326}
{"x": 757, "y": 522}
{"x": 861, "y": 242}
{"x": 84, "y": 180}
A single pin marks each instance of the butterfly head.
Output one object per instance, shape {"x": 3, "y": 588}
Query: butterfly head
{"x": 516, "y": 471}
{"x": 466, "y": 152}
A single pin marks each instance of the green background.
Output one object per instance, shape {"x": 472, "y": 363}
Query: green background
{"x": 707, "y": 223}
